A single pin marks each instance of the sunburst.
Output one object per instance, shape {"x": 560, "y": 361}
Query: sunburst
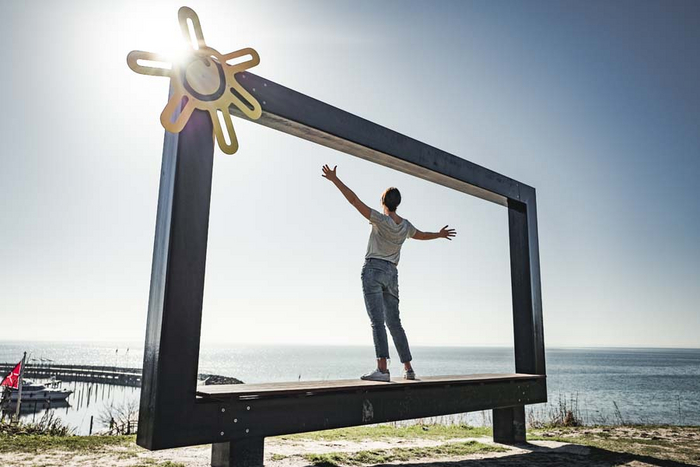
{"x": 203, "y": 80}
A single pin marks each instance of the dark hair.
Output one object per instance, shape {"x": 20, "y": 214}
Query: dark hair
{"x": 391, "y": 198}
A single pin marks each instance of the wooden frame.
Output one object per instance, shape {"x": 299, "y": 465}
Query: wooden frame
{"x": 171, "y": 414}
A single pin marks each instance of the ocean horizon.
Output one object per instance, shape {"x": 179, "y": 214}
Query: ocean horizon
{"x": 608, "y": 384}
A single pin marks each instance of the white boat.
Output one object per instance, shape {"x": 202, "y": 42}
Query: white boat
{"x": 38, "y": 392}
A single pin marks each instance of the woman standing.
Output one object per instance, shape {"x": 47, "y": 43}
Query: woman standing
{"x": 380, "y": 280}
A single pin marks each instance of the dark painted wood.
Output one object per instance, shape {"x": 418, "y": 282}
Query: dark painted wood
{"x": 525, "y": 286}
{"x": 266, "y": 417}
{"x": 241, "y": 453}
{"x": 171, "y": 352}
{"x": 528, "y": 196}
{"x": 171, "y": 414}
{"x": 315, "y": 387}
{"x": 509, "y": 425}
{"x": 297, "y": 114}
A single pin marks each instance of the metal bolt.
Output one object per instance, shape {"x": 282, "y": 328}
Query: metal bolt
{"x": 235, "y": 420}
{"x": 223, "y": 409}
{"x": 247, "y": 430}
{"x": 222, "y": 433}
{"x": 247, "y": 408}
{"x": 253, "y": 89}
{"x": 264, "y": 103}
{"x": 242, "y": 76}
{"x": 264, "y": 84}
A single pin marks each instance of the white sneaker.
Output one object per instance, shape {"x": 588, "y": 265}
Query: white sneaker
{"x": 409, "y": 374}
{"x": 377, "y": 375}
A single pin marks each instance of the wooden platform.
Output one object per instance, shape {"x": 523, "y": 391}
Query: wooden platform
{"x": 309, "y": 388}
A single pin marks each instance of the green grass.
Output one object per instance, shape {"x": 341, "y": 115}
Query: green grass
{"x": 378, "y": 432}
{"x": 48, "y": 424}
{"x": 377, "y": 456}
{"x": 38, "y": 443}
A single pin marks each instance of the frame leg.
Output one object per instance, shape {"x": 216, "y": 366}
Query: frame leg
{"x": 509, "y": 425}
{"x": 240, "y": 453}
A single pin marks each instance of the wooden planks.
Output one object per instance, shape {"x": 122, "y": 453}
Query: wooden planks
{"x": 344, "y": 385}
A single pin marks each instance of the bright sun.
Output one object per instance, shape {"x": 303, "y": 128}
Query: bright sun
{"x": 201, "y": 79}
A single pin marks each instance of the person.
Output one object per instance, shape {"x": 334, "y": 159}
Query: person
{"x": 380, "y": 284}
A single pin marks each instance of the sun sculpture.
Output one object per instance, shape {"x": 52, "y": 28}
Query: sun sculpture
{"x": 203, "y": 80}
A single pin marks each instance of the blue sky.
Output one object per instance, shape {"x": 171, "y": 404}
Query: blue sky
{"x": 595, "y": 104}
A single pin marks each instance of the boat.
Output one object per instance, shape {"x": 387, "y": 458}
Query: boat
{"x": 38, "y": 392}
{"x": 33, "y": 406}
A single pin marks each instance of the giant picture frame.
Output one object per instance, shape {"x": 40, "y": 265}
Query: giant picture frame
{"x": 170, "y": 413}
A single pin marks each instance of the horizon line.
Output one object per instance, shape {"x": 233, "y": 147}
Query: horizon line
{"x": 140, "y": 344}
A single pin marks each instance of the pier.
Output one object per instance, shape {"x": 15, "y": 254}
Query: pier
{"x": 118, "y": 376}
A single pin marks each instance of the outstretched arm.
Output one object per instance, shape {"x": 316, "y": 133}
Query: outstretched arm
{"x": 443, "y": 233}
{"x": 347, "y": 192}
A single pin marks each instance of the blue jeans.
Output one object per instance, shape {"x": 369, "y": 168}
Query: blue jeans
{"x": 380, "y": 285}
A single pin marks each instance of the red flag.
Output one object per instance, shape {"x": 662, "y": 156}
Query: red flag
{"x": 12, "y": 378}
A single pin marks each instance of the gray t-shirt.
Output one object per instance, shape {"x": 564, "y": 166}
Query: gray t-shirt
{"x": 387, "y": 236}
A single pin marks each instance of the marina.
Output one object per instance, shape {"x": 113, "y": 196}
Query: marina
{"x": 118, "y": 376}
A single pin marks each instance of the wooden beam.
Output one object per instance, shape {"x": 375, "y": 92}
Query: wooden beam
{"x": 171, "y": 352}
{"x": 297, "y": 114}
{"x": 308, "y": 388}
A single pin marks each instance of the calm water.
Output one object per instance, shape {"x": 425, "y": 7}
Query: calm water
{"x": 648, "y": 385}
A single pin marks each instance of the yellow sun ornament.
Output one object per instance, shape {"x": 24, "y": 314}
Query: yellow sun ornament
{"x": 204, "y": 80}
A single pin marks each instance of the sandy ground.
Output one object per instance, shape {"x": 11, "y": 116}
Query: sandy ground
{"x": 664, "y": 447}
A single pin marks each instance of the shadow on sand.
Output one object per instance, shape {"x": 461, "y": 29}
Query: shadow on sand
{"x": 574, "y": 455}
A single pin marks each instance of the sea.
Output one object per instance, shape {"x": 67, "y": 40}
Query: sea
{"x": 603, "y": 385}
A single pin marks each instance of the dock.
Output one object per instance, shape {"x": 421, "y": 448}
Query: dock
{"x": 115, "y": 375}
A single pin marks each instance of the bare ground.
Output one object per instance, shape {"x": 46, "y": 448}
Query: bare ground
{"x": 586, "y": 446}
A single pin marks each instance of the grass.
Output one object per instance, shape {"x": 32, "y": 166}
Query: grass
{"x": 50, "y": 433}
{"x": 79, "y": 444}
{"x": 48, "y": 424}
{"x": 565, "y": 412}
{"x": 377, "y": 456}
{"x": 378, "y": 432}
{"x": 615, "y": 444}
{"x": 639, "y": 440}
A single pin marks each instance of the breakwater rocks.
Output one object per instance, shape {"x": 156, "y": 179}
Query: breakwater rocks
{"x": 218, "y": 379}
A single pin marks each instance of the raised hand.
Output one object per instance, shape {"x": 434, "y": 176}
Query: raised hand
{"x": 328, "y": 173}
{"x": 447, "y": 233}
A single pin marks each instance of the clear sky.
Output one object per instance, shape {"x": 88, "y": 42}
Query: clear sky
{"x": 596, "y": 104}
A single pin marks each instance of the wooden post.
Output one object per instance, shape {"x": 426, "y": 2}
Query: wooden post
{"x": 239, "y": 453}
{"x": 509, "y": 425}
